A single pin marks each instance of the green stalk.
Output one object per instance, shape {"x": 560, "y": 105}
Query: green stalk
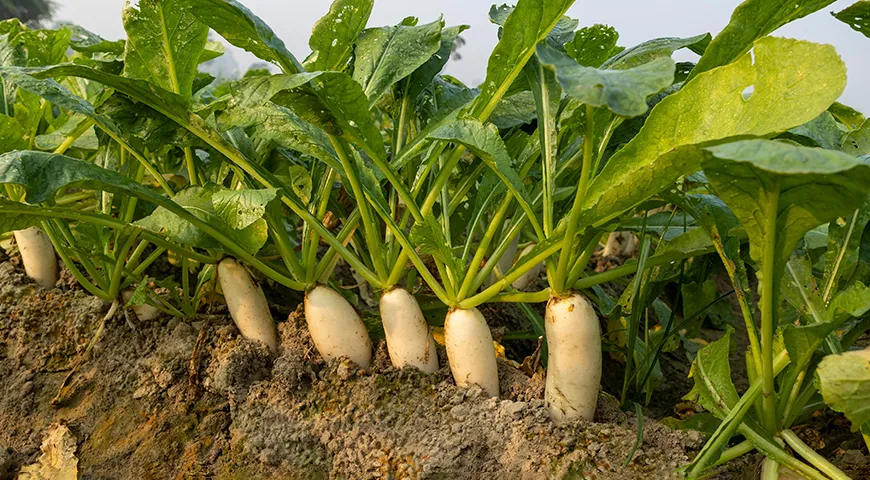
{"x": 428, "y": 203}
{"x": 574, "y": 217}
{"x": 140, "y": 269}
{"x": 369, "y": 226}
{"x": 580, "y": 265}
{"x": 832, "y": 279}
{"x": 494, "y": 225}
{"x": 190, "y": 164}
{"x": 136, "y": 253}
{"x": 80, "y": 129}
{"x": 733, "y": 420}
{"x": 323, "y": 196}
{"x": 502, "y": 283}
{"x": 185, "y": 286}
{"x": 325, "y": 264}
{"x": 284, "y": 245}
{"x": 736, "y": 451}
{"x": 43, "y": 103}
{"x": 90, "y": 268}
{"x": 73, "y": 198}
{"x": 61, "y": 251}
{"x": 811, "y": 456}
{"x": 120, "y": 261}
{"x": 768, "y": 319}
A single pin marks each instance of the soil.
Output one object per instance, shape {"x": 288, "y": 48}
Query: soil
{"x": 189, "y": 398}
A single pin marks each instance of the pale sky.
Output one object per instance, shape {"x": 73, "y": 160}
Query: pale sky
{"x": 635, "y": 20}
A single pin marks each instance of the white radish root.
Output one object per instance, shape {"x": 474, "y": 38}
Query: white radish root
{"x": 409, "y": 340}
{"x": 37, "y": 255}
{"x": 470, "y": 350}
{"x": 620, "y": 244}
{"x": 527, "y": 278}
{"x": 143, "y": 312}
{"x": 247, "y": 304}
{"x": 574, "y": 358}
{"x": 335, "y": 327}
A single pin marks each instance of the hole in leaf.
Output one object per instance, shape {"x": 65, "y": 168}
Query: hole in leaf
{"x": 747, "y": 92}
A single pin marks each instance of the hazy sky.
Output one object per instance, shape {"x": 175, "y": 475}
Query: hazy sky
{"x": 635, "y": 20}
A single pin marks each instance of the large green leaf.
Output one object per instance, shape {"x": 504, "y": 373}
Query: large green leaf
{"x": 238, "y": 212}
{"x": 856, "y": 16}
{"x": 624, "y": 92}
{"x": 338, "y": 106}
{"x": 242, "y": 28}
{"x": 794, "y": 82}
{"x": 799, "y": 187}
{"x": 844, "y": 381}
{"x": 388, "y": 54}
{"x": 271, "y": 122}
{"x": 823, "y": 131}
{"x": 164, "y": 44}
{"x": 333, "y": 36}
{"x": 526, "y": 26}
{"x": 752, "y": 20}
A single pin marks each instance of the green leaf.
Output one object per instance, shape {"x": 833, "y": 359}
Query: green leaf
{"x": 338, "y": 107}
{"x": 800, "y": 187}
{"x": 526, "y": 26}
{"x": 592, "y": 46}
{"x": 656, "y": 48}
{"x": 164, "y": 44}
{"x": 848, "y": 116}
{"x": 429, "y": 240}
{"x": 752, "y": 20}
{"x": 562, "y": 32}
{"x": 485, "y": 142}
{"x": 423, "y": 76}
{"x": 84, "y": 41}
{"x": 211, "y": 51}
{"x": 333, "y": 36}
{"x": 44, "y": 47}
{"x": 856, "y": 16}
{"x": 515, "y": 110}
{"x": 623, "y": 92}
{"x": 844, "y": 381}
{"x": 711, "y": 371}
{"x": 823, "y": 131}
{"x": 851, "y": 302}
{"x": 201, "y": 202}
{"x": 301, "y": 183}
{"x": 241, "y": 208}
{"x": 388, "y": 54}
{"x": 844, "y": 243}
{"x": 858, "y": 142}
{"x": 11, "y": 135}
{"x": 794, "y": 82}
{"x": 240, "y": 27}
{"x": 273, "y": 123}
{"x": 86, "y": 141}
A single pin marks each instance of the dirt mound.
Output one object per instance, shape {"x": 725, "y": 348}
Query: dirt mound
{"x": 191, "y": 399}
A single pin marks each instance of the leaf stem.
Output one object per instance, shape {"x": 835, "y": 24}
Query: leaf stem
{"x": 574, "y": 217}
{"x": 811, "y": 456}
{"x": 768, "y": 319}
